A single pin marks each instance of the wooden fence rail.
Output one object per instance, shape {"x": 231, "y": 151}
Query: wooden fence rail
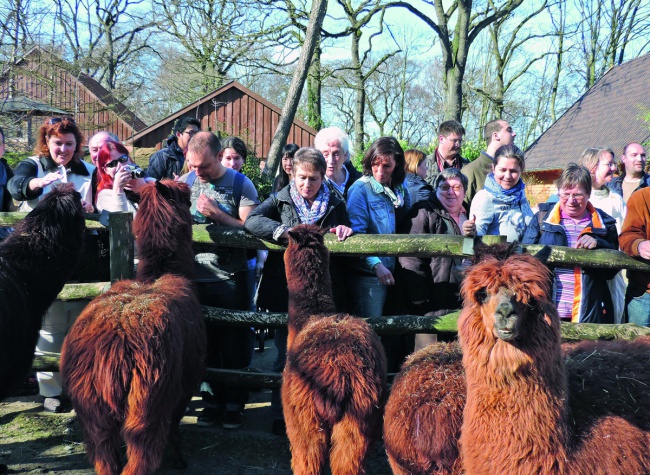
{"x": 207, "y": 236}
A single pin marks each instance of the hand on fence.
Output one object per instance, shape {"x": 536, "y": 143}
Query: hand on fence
{"x": 586, "y": 242}
{"x": 644, "y": 249}
{"x": 342, "y": 232}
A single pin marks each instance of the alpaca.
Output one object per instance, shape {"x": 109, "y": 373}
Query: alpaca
{"x": 136, "y": 354}
{"x": 35, "y": 262}
{"x": 519, "y": 416}
{"x": 424, "y": 412}
{"x": 334, "y": 381}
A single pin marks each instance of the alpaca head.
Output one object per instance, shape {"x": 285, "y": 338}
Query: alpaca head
{"x": 163, "y": 215}
{"x": 163, "y": 228}
{"x": 56, "y": 224}
{"x": 508, "y": 311}
{"x": 306, "y": 245}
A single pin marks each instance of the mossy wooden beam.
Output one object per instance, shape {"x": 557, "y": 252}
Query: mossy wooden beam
{"x": 11, "y": 219}
{"x": 421, "y": 245}
{"x": 86, "y": 291}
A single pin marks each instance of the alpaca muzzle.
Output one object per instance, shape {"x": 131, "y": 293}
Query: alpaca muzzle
{"x": 506, "y": 319}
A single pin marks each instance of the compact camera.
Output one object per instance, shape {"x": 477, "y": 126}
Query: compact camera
{"x": 136, "y": 171}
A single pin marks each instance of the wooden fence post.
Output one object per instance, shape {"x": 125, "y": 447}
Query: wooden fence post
{"x": 121, "y": 245}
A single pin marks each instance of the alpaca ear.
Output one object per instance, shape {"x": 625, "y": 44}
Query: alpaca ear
{"x": 543, "y": 254}
{"x": 293, "y": 236}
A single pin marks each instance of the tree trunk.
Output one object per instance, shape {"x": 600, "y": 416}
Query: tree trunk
{"x": 314, "y": 87}
{"x": 359, "y": 93}
{"x": 318, "y": 9}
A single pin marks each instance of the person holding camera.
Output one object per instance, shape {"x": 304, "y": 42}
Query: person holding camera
{"x": 120, "y": 180}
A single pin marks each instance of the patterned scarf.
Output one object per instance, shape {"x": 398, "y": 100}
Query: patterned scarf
{"x": 396, "y": 195}
{"x": 512, "y": 196}
{"x": 318, "y": 207}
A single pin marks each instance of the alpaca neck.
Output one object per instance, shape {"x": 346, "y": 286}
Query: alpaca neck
{"x": 310, "y": 293}
{"x": 155, "y": 264}
{"x": 518, "y": 407}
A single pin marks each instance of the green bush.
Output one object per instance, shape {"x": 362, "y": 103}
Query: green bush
{"x": 251, "y": 169}
{"x": 14, "y": 158}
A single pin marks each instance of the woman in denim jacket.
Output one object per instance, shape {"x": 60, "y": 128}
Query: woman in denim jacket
{"x": 376, "y": 203}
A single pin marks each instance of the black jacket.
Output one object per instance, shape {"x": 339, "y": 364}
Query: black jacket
{"x": 430, "y": 285}
{"x": 167, "y": 162}
{"x": 263, "y": 221}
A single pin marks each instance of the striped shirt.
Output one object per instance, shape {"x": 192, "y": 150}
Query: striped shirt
{"x": 568, "y": 280}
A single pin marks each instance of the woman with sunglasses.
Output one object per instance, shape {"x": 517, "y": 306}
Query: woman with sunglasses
{"x": 57, "y": 160}
{"x": 118, "y": 189}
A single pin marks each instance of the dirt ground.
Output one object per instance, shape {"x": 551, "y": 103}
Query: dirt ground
{"x": 33, "y": 441}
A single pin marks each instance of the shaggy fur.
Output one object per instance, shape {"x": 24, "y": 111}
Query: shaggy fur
{"x": 424, "y": 412}
{"x": 516, "y": 418}
{"x": 136, "y": 354}
{"x": 334, "y": 382}
{"x": 35, "y": 262}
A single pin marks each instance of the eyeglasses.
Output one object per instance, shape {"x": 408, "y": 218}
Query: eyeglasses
{"x": 611, "y": 165}
{"x": 56, "y": 120}
{"x": 576, "y": 196}
{"x": 191, "y": 133}
{"x": 113, "y": 163}
{"x": 445, "y": 188}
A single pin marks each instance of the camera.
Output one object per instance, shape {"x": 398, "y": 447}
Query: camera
{"x": 136, "y": 171}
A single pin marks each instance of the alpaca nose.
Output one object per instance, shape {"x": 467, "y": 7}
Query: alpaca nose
{"x": 506, "y": 310}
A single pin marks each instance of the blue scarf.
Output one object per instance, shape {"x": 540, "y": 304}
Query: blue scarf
{"x": 318, "y": 207}
{"x": 514, "y": 195}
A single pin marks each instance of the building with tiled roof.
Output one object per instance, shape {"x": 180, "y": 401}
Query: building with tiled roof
{"x": 611, "y": 114}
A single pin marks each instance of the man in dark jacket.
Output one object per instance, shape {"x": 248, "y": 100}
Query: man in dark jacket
{"x": 168, "y": 162}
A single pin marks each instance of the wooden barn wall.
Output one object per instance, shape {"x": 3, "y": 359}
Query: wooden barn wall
{"x": 233, "y": 112}
{"x": 53, "y": 85}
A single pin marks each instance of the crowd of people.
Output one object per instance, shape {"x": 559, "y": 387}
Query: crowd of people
{"x": 396, "y": 191}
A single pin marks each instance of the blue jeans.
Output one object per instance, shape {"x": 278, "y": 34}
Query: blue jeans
{"x": 638, "y": 310}
{"x": 370, "y": 296}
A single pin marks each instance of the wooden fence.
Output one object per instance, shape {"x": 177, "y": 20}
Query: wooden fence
{"x": 121, "y": 265}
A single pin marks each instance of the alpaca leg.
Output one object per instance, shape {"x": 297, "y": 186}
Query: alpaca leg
{"x": 102, "y": 440}
{"x": 146, "y": 436}
{"x": 308, "y": 439}
{"x": 350, "y": 445}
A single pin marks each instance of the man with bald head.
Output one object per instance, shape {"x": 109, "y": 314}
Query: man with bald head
{"x": 97, "y": 141}
{"x": 634, "y": 176}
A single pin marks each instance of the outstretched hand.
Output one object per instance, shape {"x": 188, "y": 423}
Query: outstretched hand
{"x": 342, "y": 232}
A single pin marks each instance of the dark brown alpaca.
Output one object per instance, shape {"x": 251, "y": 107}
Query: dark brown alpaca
{"x": 136, "y": 354}
{"x": 516, "y": 419}
{"x": 35, "y": 262}
{"x": 334, "y": 382}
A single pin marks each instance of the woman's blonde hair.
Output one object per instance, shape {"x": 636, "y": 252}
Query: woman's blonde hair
{"x": 413, "y": 159}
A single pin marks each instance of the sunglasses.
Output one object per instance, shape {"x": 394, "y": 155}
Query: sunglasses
{"x": 113, "y": 163}
{"x": 56, "y": 120}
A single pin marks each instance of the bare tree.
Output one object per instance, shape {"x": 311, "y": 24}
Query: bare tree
{"x": 457, "y": 27}
{"x": 105, "y": 36}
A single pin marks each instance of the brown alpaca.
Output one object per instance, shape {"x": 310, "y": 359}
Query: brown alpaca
{"x": 424, "y": 412}
{"x": 334, "y": 381}
{"x": 516, "y": 419}
{"x": 136, "y": 354}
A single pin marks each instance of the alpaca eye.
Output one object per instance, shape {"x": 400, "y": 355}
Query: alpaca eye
{"x": 481, "y": 295}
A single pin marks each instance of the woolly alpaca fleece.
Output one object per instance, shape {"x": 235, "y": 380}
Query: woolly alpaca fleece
{"x": 35, "y": 262}
{"x": 424, "y": 412}
{"x": 334, "y": 382}
{"x": 516, "y": 418}
{"x": 136, "y": 354}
